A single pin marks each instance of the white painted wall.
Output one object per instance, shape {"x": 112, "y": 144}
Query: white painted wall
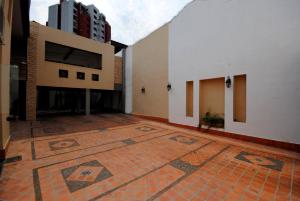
{"x": 217, "y": 38}
{"x": 128, "y": 80}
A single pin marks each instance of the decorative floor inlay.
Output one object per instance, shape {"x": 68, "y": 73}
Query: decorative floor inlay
{"x": 145, "y": 128}
{"x": 84, "y": 175}
{"x": 267, "y": 162}
{"x": 13, "y": 159}
{"x": 63, "y": 144}
{"x": 183, "y": 166}
{"x": 129, "y": 141}
{"x": 184, "y": 139}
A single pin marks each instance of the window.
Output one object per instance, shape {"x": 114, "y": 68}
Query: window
{"x": 95, "y": 77}
{"x": 80, "y": 75}
{"x": 189, "y": 98}
{"x": 63, "y": 73}
{"x": 73, "y": 56}
{"x": 239, "y": 98}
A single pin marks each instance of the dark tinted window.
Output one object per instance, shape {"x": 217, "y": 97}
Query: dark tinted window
{"x": 95, "y": 77}
{"x": 80, "y": 75}
{"x": 63, "y": 73}
{"x": 68, "y": 55}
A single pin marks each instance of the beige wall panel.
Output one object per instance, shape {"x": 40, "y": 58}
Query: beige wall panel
{"x": 47, "y": 72}
{"x": 239, "y": 98}
{"x": 212, "y": 96}
{"x": 5, "y": 69}
{"x": 48, "y": 75}
{"x": 5, "y": 74}
{"x": 150, "y": 70}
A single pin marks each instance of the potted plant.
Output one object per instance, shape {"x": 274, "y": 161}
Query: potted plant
{"x": 213, "y": 120}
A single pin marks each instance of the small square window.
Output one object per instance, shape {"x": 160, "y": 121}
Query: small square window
{"x": 95, "y": 77}
{"x": 63, "y": 73}
{"x": 80, "y": 75}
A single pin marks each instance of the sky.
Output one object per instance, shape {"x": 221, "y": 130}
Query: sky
{"x": 131, "y": 20}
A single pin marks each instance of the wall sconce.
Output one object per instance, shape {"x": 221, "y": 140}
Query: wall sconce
{"x": 169, "y": 87}
{"x": 228, "y": 82}
{"x": 143, "y": 90}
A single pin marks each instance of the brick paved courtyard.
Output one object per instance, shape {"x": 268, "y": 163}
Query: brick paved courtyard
{"x": 119, "y": 157}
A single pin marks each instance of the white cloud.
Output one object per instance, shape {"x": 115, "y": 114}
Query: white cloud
{"x": 130, "y": 20}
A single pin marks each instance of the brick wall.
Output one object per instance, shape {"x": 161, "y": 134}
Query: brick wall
{"x": 118, "y": 70}
{"x": 31, "y": 74}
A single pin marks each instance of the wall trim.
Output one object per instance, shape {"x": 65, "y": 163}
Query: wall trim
{"x": 159, "y": 119}
{"x": 272, "y": 143}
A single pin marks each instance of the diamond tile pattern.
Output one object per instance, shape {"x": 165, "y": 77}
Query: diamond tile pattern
{"x": 184, "y": 139}
{"x": 184, "y": 166}
{"x": 145, "y": 128}
{"x": 129, "y": 141}
{"x": 267, "y": 162}
{"x": 84, "y": 175}
{"x": 63, "y": 144}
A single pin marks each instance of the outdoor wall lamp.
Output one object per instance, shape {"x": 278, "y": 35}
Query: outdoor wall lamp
{"x": 169, "y": 87}
{"x": 228, "y": 82}
{"x": 143, "y": 90}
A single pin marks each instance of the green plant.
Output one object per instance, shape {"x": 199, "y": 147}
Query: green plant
{"x": 213, "y": 120}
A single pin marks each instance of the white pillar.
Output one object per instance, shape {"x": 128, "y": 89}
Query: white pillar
{"x": 128, "y": 80}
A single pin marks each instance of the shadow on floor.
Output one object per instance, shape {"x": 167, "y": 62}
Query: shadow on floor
{"x": 49, "y": 126}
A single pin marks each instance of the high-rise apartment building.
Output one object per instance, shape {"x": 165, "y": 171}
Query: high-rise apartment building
{"x": 77, "y": 18}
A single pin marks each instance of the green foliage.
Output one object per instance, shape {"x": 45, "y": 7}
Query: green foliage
{"x": 213, "y": 120}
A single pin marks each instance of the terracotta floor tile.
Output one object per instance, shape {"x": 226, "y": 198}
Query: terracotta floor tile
{"x": 120, "y": 157}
